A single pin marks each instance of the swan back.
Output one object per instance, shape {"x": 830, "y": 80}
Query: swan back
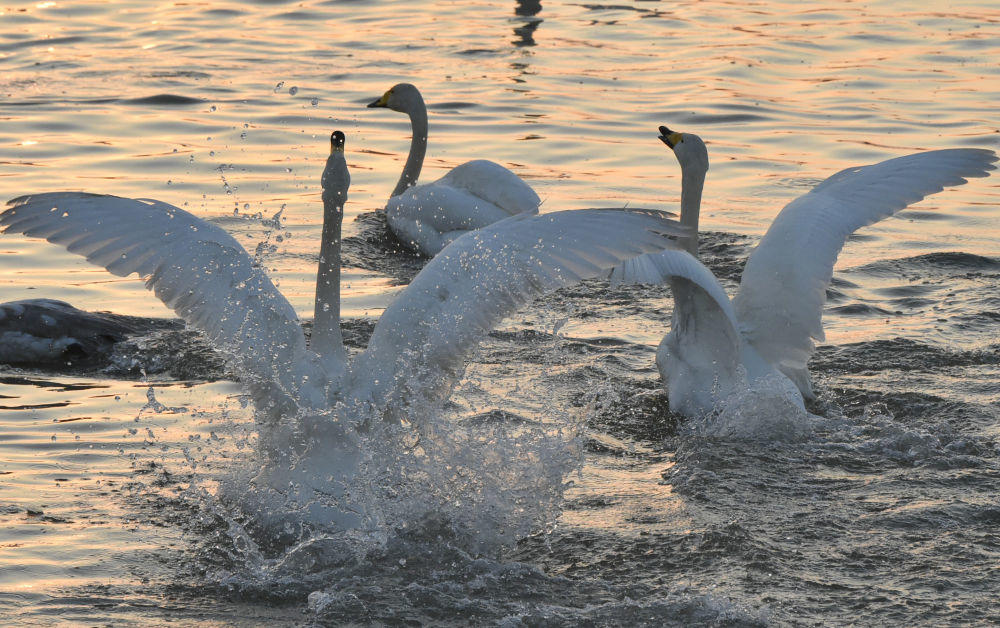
{"x": 495, "y": 184}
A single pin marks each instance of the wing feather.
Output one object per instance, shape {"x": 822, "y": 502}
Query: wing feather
{"x": 421, "y": 343}
{"x": 783, "y": 288}
{"x": 493, "y": 183}
{"x": 193, "y": 266}
{"x": 704, "y": 321}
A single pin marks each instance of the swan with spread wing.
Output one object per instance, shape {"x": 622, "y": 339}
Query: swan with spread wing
{"x": 417, "y": 350}
{"x": 472, "y": 195}
{"x": 762, "y": 339}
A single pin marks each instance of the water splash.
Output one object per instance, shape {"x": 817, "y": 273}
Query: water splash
{"x": 764, "y": 411}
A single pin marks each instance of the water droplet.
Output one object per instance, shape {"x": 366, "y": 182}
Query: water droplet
{"x": 246, "y": 206}
{"x": 279, "y": 86}
{"x": 170, "y": 182}
{"x": 212, "y": 108}
{"x": 211, "y": 153}
{"x": 314, "y": 101}
{"x": 293, "y": 90}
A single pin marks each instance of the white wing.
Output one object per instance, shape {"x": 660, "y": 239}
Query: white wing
{"x": 193, "y": 266}
{"x": 421, "y": 343}
{"x": 492, "y": 182}
{"x": 783, "y": 289}
{"x": 704, "y": 322}
{"x": 471, "y": 196}
{"x": 656, "y": 268}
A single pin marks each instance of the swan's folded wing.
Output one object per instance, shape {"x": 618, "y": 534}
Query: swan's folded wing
{"x": 421, "y": 343}
{"x": 492, "y": 182}
{"x": 661, "y": 267}
{"x": 704, "y": 319}
{"x": 783, "y": 289}
{"x": 194, "y": 267}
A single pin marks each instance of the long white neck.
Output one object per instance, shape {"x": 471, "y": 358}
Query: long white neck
{"x": 692, "y": 184}
{"x": 327, "y": 340}
{"x": 418, "y": 146}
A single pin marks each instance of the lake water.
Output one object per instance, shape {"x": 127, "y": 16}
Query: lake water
{"x": 886, "y": 514}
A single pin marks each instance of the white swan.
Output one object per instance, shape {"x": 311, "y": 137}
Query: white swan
{"x": 763, "y": 338}
{"x": 311, "y": 399}
{"x": 475, "y": 194}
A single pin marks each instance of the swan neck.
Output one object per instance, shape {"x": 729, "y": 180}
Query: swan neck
{"x": 418, "y": 147}
{"x": 692, "y": 184}
{"x": 327, "y": 341}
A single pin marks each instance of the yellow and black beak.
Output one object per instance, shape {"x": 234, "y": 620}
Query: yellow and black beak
{"x": 668, "y": 137}
{"x": 381, "y": 102}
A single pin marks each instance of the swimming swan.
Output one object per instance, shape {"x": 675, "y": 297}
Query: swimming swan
{"x": 37, "y": 332}
{"x": 763, "y": 338}
{"x": 475, "y": 194}
{"x": 417, "y": 350}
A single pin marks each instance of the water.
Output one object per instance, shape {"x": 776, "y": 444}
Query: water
{"x": 883, "y": 512}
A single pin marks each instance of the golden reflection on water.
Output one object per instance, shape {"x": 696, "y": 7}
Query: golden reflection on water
{"x": 77, "y": 476}
{"x": 568, "y": 95}
{"x": 631, "y": 498}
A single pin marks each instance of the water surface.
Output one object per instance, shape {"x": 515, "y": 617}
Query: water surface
{"x": 886, "y": 514}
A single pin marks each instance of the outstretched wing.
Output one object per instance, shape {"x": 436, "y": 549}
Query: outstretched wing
{"x": 194, "y": 267}
{"x": 420, "y": 346}
{"x": 783, "y": 289}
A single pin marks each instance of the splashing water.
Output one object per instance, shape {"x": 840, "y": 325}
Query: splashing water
{"x": 765, "y": 411}
{"x": 318, "y": 493}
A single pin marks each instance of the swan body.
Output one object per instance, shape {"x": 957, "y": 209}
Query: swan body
{"x": 762, "y": 339}
{"x": 311, "y": 399}
{"x": 47, "y": 331}
{"x": 472, "y": 195}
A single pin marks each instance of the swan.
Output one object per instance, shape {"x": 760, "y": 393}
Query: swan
{"x": 312, "y": 400}
{"x": 762, "y": 339}
{"x": 48, "y": 331}
{"x": 472, "y": 195}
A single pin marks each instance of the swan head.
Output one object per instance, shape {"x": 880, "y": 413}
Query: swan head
{"x": 401, "y": 97}
{"x": 337, "y": 139}
{"x": 688, "y": 148}
{"x": 336, "y": 178}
